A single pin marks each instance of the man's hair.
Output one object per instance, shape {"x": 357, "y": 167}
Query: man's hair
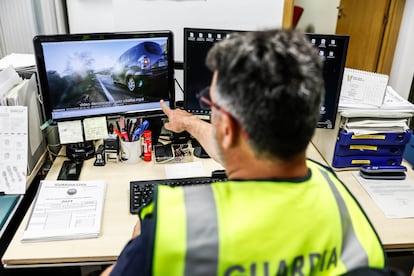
{"x": 271, "y": 81}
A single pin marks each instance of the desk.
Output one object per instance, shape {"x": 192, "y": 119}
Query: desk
{"x": 396, "y": 234}
{"x": 117, "y": 224}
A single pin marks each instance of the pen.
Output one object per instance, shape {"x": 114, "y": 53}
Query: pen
{"x": 140, "y": 130}
{"x": 122, "y": 123}
{"x": 111, "y": 128}
{"x": 118, "y": 133}
{"x": 117, "y": 125}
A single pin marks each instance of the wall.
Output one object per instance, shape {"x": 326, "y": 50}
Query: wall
{"x": 134, "y": 15}
{"x": 403, "y": 67}
{"x": 16, "y": 36}
{"x": 312, "y": 15}
{"x": 21, "y": 20}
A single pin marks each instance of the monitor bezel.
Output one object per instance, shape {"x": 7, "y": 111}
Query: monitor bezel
{"x": 42, "y": 73}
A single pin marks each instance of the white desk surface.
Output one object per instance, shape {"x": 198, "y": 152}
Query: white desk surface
{"x": 396, "y": 234}
{"x": 117, "y": 224}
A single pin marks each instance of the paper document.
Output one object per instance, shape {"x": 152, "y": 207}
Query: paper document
{"x": 70, "y": 132}
{"x": 362, "y": 88}
{"x": 372, "y": 126}
{"x": 182, "y": 170}
{"x": 18, "y": 61}
{"x": 95, "y": 128}
{"x": 8, "y": 79}
{"x": 66, "y": 210}
{"x": 13, "y": 149}
{"x": 394, "y": 197}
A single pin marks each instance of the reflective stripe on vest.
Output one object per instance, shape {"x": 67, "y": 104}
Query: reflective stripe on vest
{"x": 202, "y": 232}
{"x": 353, "y": 253}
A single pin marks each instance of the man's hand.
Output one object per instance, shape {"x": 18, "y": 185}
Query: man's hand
{"x": 177, "y": 118}
{"x": 137, "y": 229}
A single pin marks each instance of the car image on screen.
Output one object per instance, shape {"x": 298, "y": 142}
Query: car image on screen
{"x": 141, "y": 67}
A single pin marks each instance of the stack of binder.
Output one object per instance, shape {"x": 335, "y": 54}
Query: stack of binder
{"x": 380, "y": 149}
{"x": 18, "y": 91}
{"x": 365, "y": 133}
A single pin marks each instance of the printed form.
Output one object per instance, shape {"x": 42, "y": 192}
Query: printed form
{"x": 395, "y": 198}
{"x": 66, "y": 210}
{"x": 13, "y": 149}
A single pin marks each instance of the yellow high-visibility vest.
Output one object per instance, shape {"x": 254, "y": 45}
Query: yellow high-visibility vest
{"x": 311, "y": 226}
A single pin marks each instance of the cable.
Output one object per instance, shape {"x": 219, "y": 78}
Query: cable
{"x": 176, "y": 81}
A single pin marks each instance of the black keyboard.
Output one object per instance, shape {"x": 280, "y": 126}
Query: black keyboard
{"x": 141, "y": 191}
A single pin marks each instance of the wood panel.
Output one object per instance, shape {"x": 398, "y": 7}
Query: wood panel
{"x": 287, "y": 14}
{"x": 363, "y": 21}
{"x": 389, "y": 41}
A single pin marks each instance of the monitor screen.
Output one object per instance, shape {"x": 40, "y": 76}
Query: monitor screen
{"x": 84, "y": 75}
{"x": 334, "y": 49}
{"x": 197, "y": 43}
{"x": 197, "y": 77}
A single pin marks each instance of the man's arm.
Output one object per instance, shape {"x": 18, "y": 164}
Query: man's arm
{"x": 180, "y": 120}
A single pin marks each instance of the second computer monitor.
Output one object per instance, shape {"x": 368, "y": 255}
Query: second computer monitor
{"x": 197, "y": 77}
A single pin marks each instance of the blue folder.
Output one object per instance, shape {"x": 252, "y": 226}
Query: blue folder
{"x": 7, "y": 204}
{"x": 361, "y": 149}
{"x": 349, "y": 138}
{"x": 360, "y": 160}
{"x": 409, "y": 151}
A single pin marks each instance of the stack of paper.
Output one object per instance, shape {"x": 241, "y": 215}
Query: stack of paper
{"x": 368, "y": 93}
{"x": 8, "y": 79}
{"x": 361, "y": 126}
{"x": 66, "y": 210}
{"x": 18, "y": 61}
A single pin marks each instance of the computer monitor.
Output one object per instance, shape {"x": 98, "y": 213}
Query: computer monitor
{"x": 97, "y": 74}
{"x": 197, "y": 77}
{"x": 334, "y": 49}
{"x": 197, "y": 43}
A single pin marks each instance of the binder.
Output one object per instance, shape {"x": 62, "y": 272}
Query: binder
{"x": 349, "y": 138}
{"x": 409, "y": 151}
{"x": 360, "y": 160}
{"x": 362, "y": 149}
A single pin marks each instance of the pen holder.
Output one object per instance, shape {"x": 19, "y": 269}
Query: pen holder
{"x": 130, "y": 152}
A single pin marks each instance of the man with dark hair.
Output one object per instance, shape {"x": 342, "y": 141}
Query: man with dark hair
{"x": 279, "y": 213}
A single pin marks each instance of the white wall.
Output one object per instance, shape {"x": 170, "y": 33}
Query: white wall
{"x": 135, "y": 15}
{"x": 16, "y": 35}
{"x": 322, "y": 14}
{"x": 21, "y": 20}
{"x": 403, "y": 64}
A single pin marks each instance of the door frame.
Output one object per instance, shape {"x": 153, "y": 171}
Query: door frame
{"x": 287, "y": 14}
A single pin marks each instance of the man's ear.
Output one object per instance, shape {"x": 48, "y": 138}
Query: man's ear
{"x": 229, "y": 131}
